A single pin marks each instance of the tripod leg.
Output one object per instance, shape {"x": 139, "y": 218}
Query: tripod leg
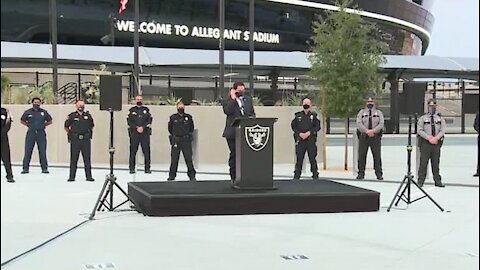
{"x": 92, "y": 215}
{"x": 110, "y": 190}
{"x": 428, "y": 196}
{"x": 125, "y": 193}
{"x": 407, "y": 187}
{"x": 104, "y": 202}
{"x": 396, "y": 194}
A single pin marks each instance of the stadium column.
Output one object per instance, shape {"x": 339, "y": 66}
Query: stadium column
{"x": 251, "y": 26}
{"x": 462, "y": 89}
{"x": 394, "y": 100}
{"x": 53, "y": 39}
{"x": 136, "y": 44}
{"x": 221, "y": 46}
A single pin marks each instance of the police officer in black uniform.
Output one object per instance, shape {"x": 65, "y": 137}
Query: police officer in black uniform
{"x": 305, "y": 126}
{"x": 79, "y": 126}
{"x": 139, "y": 122}
{"x": 6, "y": 121}
{"x": 181, "y": 129}
{"x": 36, "y": 119}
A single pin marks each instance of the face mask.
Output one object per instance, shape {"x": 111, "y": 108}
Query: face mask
{"x": 306, "y": 106}
{"x": 81, "y": 109}
{"x": 180, "y": 110}
{"x": 369, "y": 106}
{"x": 432, "y": 110}
{"x": 36, "y": 106}
{"x": 239, "y": 94}
{"x": 139, "y": 103}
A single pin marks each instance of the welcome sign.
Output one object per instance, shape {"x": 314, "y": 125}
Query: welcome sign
{"x": 196, "y": 31}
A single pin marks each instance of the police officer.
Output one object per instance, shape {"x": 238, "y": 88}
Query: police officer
{"x": 430, "y": 133}
{"x": 305, "y": 126}
{"x": 36, "y": 119}
{"x": 79, "y": 127}
{"x": 6, "y": 123}
{"x": 139, "y": 122}
{"x": 181, "y": 129}
{"x": 370, "y": 123}
{"x": 476, "y": 126}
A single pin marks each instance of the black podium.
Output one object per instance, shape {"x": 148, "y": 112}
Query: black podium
{"x": 254, "y": 153}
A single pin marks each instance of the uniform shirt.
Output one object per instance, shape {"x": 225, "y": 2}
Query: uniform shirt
{"x": 139, "y": 116}
{"x": 5, "y": 125}
{"x": 36, "y": 119}
{"x": 80, "y": 123}
{"x": 180, "y": 125}
{"x": 424, "y": 126}
{"x": 363, "y": 119}
{"x": 304, "y": 122}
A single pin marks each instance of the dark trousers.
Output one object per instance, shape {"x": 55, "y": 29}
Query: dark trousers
{"x": 40, "y": 138}
{"x": 83, "y": 146}
{"x": 183, "y": 145}
{"x": 375, "y": 145}
{"x": 429, "y": 152}
{"x": 231, "y": 158}
{"x": 309, "y": 146}
{"x": 6, "y": 157}
{"x": 142, "y": 139}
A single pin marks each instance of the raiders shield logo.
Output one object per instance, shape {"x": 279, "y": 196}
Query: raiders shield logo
{"x": 257, "y": 137}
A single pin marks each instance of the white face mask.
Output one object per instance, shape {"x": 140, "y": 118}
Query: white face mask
{"x": 432, "y": 110}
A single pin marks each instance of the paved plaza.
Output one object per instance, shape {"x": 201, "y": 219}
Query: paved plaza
{"x": 419, "y": 236}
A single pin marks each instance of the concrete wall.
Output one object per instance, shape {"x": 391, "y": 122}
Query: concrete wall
{"x": 209, "y": 120}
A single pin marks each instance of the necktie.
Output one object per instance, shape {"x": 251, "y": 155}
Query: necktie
{"x": 432, "y": 123}
{"x": 370, "y": 125}
{"x": 242, "y": 108}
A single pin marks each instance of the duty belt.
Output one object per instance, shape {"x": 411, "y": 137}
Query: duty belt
{"x": 80, "y": 136}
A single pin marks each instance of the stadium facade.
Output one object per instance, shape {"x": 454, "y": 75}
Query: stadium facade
{"x": 280, "y": 25}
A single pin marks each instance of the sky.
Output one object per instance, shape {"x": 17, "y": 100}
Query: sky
{"x": 455, "y": 31}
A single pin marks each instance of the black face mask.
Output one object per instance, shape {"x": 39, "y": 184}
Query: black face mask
{"x": 239, "y": 94}
{"x": 370, "y": 106}
{"x": 139, "y": 103}
{"x": 306, "y": 106}
{"x": 181, "y": 110}
{"x": 81, "y": 109}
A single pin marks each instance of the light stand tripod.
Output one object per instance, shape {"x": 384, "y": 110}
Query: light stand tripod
{"x": 408, "y": 179}
{"x": 110, "y": 180}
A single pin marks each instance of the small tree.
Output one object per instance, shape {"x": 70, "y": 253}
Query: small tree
{"x": 346, "y": 55}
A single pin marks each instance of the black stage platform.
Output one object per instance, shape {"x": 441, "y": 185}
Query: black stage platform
{"x": 182, "y": 198}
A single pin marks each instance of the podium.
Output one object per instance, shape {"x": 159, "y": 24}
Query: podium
{"x": 254, "y": 153}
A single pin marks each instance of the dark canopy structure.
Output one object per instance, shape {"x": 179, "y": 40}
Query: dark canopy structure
{"x": 205, "y": 62}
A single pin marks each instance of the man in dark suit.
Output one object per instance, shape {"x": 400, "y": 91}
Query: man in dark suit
{"x": 236, "y": 105}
